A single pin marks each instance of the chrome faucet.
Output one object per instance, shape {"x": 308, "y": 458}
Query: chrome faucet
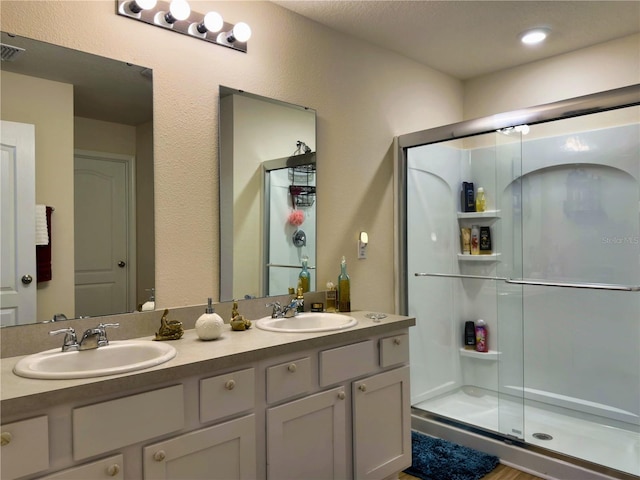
{"x": 70, "y": 342}
{"x": 288, "y": 311}
{"x": 92, "y": 338}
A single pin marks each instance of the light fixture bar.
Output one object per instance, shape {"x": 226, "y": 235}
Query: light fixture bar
{"x": 194, "y": 25}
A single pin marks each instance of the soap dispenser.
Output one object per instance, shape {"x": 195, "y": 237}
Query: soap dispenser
{"x": 209, "y": 326}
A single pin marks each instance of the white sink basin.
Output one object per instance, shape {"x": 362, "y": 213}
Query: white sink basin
{"x": 307, "y": 322}
{"x": 117, "y": 357}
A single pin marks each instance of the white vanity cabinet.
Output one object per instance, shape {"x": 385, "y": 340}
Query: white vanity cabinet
{"x": 356, "y": 427}
{"x": 317, "y": 407}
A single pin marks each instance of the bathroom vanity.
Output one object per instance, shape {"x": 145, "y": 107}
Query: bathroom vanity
{"x": 253, "y": 404}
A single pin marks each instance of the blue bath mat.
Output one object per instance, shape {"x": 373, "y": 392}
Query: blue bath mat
{"x": 437, "y": 459}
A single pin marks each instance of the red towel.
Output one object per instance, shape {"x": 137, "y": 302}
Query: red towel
{"x": 43, "y": 255}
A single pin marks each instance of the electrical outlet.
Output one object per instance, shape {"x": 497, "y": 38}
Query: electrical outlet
{"x": 363, "y": 241}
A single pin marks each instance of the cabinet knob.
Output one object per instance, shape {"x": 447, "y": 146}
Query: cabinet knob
{"x": 5, "y": 438}
{"x": 113, "y": 470}
{"x": 230, "y": 385}
{"x": 362, "y": 388}
{"x": 341, "y": 395}
{"x": 396, "y": 341}
{"x": 292, "y": 368}
{"x": 160, "y": 455}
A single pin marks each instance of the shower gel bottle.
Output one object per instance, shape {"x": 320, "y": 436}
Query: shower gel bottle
{"x": 482, "y": 337}
{"x": 344, "y": 288}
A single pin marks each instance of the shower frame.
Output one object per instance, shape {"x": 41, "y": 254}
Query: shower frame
{"x": 575, "y": 107}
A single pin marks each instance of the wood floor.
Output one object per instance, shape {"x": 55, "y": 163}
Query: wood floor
{"x": 501, "y": 472}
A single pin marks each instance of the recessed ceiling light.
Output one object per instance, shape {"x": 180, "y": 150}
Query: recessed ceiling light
{"x": 534, "y": 36}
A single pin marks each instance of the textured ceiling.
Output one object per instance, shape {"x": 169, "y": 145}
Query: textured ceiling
{"x": 470, "y": 38}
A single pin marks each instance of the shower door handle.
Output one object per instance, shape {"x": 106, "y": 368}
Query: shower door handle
{"x": 590, "y": 286}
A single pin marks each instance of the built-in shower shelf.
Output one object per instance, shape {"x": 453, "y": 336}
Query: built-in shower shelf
{"x": 493, "y": 257}
{"x": 485, "y": 214}
{"x": 490, "y": 355}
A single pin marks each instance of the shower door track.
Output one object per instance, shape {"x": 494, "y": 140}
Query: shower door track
{"x": 539, "y": 283}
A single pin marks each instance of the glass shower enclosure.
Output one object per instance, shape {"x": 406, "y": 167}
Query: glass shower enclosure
{"x": 559, "y": 286}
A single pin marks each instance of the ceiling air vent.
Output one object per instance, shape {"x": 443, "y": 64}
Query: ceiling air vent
{"x": 10, "y": 53}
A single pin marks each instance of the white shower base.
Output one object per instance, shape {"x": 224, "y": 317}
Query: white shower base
{"x": 584, "y": 437}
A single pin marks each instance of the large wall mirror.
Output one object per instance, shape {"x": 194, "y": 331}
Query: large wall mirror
{"x": 77, "y": 184}
{"x": 267, "y": 195}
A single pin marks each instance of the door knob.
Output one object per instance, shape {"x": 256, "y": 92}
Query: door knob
{"x": 122, "y": 264}
{"x": 27, "y": 279}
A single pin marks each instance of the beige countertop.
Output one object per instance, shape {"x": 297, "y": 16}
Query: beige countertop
{"x": 23, "y": 395}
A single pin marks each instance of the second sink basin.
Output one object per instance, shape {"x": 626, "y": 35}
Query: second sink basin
{"x": 117, "y": 357}
{"x": 307, "y": 322}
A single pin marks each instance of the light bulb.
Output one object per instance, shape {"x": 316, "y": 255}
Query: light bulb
{"x": 180, "y": 9}
{"x": 533, "y": 37}
{"x": 146, "y": 4}
{"x": 213, "y": 22}
{"x": 136, "y": 6}
{"x": 241, "y": 32}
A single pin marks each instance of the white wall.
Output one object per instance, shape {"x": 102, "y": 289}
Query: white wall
{"x": 364, "y": 96}
{"x": 595, "y": 69}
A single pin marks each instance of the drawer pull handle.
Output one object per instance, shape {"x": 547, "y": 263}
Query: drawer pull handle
{"x": 396, "y": 341}
{"x": 362, "y": 388}
{"x": 341, "y": 395}
{"x": 230, "y": 385}
{"x": 292, "y": 368}
{"x": 113, "y": 470}
{"x": 160, "y": 455}
{"x": 5, "y": 438}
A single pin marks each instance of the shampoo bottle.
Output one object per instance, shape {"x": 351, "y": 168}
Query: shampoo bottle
{"x": 482, "y": 337}
{"x": 481, "y": 201}
{"x": 469, "y": 335}
{"x": 209, "y": 326}
{"x": 344, "y": 288}
{"x": 304, "y": 279}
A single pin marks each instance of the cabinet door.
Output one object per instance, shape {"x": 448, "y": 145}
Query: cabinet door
{"x": 382, "y": 424}
{"x": 222, "y": 452}
{"x": 306, "y": 438}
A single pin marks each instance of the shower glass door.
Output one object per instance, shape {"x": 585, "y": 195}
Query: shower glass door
{"x": 448, "y": 287}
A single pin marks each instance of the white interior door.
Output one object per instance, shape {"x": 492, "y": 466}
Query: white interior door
{"x": 103, "y": 227}
{"x": 17, "y": 234}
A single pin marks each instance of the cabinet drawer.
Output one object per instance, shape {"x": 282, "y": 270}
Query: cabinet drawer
{"x": 350, "y": 361}
{"x": 226, "y": 395}
{"x": 25, "y": 447}
{"x": 394, "y": 350}
{"x": 106, "y": 426}
{"x": 110, "y": 467}
{"x": 288, "y": 379}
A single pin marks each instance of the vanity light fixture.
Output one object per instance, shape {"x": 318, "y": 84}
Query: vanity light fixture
{"x": 177, "y": 16}
{"x": 534, "y": 36}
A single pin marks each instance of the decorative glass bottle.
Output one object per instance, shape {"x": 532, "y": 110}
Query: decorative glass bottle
{"x": 344, "y": 288}
{"x": 304, "y": 279}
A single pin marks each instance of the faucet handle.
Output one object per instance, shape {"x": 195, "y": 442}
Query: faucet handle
{"x": 103, "y": 340}
{"x": 70, "y": 340}
{"x": 277, "y": 309}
